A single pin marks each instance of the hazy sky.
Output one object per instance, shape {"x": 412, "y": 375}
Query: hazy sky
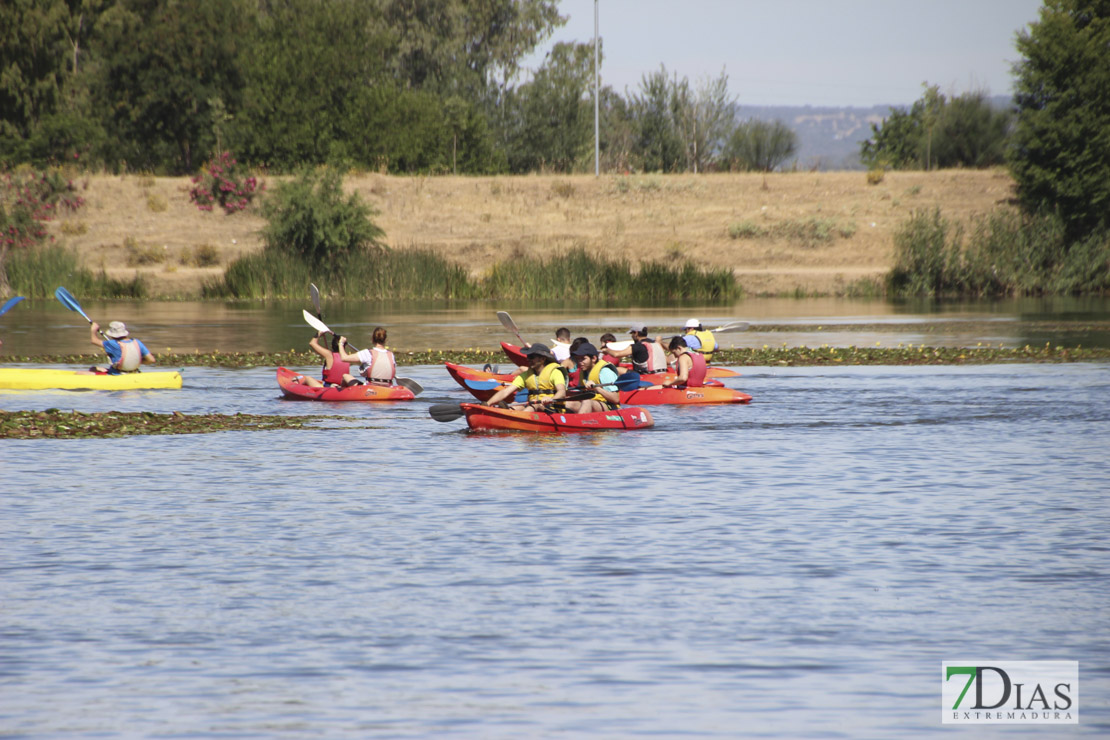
{"x": 798, "y": 52}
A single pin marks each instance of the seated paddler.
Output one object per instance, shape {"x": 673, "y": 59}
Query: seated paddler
{"x": 595, "y": 375}
{"x": 125, "y": 353}
{"x": 545, "y": 380}
{"x": 689, "y": 366}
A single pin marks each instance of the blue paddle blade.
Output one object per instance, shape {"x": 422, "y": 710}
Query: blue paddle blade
{"x": 628, "y": 382}
{"x": 482, "y": 385}
{"x": 11, "y": 302}
{"x": 70, "y": 302}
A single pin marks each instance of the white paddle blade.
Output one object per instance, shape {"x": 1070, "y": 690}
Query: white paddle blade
{"x": 507, "y": 321}
{"x": 737, "y": 326}
{"x": 315, "y": 323}
{"x": 314, "y": 294}
{"x": 619, "y": 345}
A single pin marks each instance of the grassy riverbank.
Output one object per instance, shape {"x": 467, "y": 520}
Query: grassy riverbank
{"x": 798, "y": 233}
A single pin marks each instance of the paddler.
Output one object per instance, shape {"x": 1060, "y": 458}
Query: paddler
{"x": 700, "y": 339}
{"x": 545, "y": 380}
{"x": 596, "y": 375}
{"x": 377, "y": 365}
{"x": 646, "y": 355}
{"x": 334, "y": 368}
{"x": 689, "y": 366}
{"x": 125, "y": 353}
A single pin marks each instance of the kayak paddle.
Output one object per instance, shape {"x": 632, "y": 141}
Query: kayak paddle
{"x": 314, "y": 294}
{"x": 507, "y": 322}
{"x": 11, "y": 302}
{"x": 452, "y": 411}
{"x": 734, "y": 326}
{"x": 320, "y": 326}
{"x": 71, "y": 303}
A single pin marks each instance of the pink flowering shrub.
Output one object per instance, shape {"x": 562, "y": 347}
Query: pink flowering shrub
{"x": 28, "y": 200}
{"x": 226, "y": 183}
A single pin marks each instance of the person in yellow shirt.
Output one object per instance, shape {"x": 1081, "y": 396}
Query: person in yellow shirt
{"x": 545, "y": 380}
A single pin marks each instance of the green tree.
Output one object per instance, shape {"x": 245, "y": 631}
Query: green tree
{"x": 895, "y": 144}
{"x": 1060, "y": 154}
{"x": 554, "y": 115}
{"x": 463, "y": 46}
{"x": 706, "y": 120}
{"x": 161, "y": 62}
{"x": 760, "y": 146}
{"x": 659, "y": 145}
{"x": 312, "y": 66}
{"x": 964, "y": 131}
{"x": 33, "y": 55}
{"x": 971, "y": 133}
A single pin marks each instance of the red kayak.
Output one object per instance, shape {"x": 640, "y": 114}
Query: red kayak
{"x": 482, "y": 385}
{"x": 489, "y": 418}
{"x": 518, "y": 359}
{"x": 287, "y": 379}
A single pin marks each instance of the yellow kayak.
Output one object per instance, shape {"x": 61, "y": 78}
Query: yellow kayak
{"x": 30, "y": 379}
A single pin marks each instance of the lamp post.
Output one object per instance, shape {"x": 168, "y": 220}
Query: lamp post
{"x": 597, "y": 96}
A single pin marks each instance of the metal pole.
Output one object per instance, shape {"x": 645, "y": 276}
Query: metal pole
{"x": 597, "y": 96}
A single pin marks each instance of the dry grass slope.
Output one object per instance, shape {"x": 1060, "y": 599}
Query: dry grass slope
{"x": 790, "y": 232}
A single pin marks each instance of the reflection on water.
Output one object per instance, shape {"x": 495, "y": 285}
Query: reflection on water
{"x": 45, "y": 327}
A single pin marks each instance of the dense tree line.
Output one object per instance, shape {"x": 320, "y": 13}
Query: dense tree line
{"x": 938, "y": 132}
{"x": 393, "y": 85}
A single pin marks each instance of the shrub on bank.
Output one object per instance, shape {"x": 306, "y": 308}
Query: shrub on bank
{"x": 225, "y": 183}
{"x": 1007, "y": 253}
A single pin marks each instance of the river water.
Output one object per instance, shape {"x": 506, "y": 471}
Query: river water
{"x": 798, "y": 567}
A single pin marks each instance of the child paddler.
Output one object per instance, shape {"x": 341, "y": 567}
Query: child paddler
{"x": 545, "y": 380}
{"x": 334, "y": 369}
{"x": 596, "y": 375}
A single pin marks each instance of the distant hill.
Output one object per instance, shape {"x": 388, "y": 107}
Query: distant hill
{"x": 829, "y": 138}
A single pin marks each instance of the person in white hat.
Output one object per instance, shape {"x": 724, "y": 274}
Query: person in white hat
{"x": 125, "y": 353}
{"x": 699, "y": 339}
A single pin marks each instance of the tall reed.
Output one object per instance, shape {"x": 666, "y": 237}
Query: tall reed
{"x": 36, "y": 271}
{"x": 579, "y": 275}
{"x": 1006, "y": 253}
{"x": 367, "y": 274}
{"x": 423, "y": 274}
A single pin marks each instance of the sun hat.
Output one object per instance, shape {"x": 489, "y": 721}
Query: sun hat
{"x": 638, "y": 329}
{"x": 538, "y": 349}
{"x": 116, "y": 330}
{"x": 585, "y": 350}
{"x": 692, "y": 324}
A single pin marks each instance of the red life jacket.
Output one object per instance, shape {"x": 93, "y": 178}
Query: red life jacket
{"x": 338, "y": 369}
{"x": 696, "y": 378}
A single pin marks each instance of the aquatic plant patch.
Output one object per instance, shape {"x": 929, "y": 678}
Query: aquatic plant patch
{"x": 55, "y": 424}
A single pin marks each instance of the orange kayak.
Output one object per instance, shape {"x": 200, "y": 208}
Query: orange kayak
{"x": 488, "y": 418}
{"x": 517, "y": 358}
{"x": 287, "y": 379}
{"x": 482, "y": 385}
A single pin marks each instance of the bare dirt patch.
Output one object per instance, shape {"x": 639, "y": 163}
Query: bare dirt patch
{"x": 477, "y": 221}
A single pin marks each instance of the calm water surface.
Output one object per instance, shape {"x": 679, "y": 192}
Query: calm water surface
{"x": 794, "y": 568}
{"x": 38, "y": 327}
